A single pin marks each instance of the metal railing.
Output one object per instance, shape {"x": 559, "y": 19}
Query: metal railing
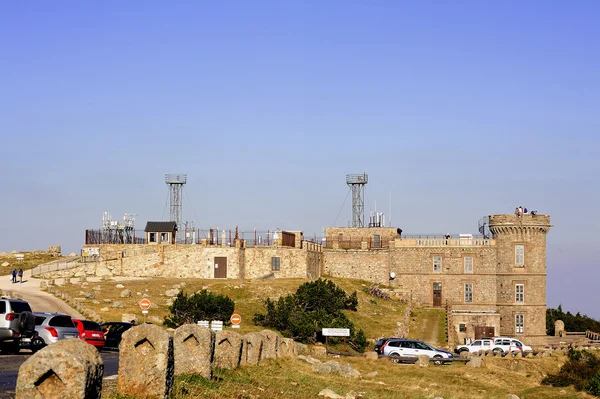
{"x": 64, "y": 264}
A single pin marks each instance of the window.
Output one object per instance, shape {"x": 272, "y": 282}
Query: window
{"x": 519, "y": 324}
{"x": 519, "y": 293}
{"x": 476, "y": 343}
{"x": 469, "y": 293}
{"x": 468, "y": 261}
{"x": 275, "y": 263}
{"x": 437, "y": 264}
{"x": 377, "y": 241}
{"x": 519, "y": 255}
{"x": 394, "y": 344}
{"x": 61, "y": 321}
{"x": 462, "y": 328}
{"x": 152, "y": 237}
{"x": 164, "y": 237}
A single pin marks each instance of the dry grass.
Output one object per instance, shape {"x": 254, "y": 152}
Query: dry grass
{"x": 376, "y": 317}
{"x": 279, "y": 379}
{"x": 430, "y": 326}
{"x": 30, "y": 260}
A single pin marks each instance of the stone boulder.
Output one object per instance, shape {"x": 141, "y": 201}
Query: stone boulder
{"x": 270, "y": 344}
{"x": 318, "y": 351}
{"x": 129, "y": 318}
{"x": 193, "y": 348}
{"x": 145, "y": 362}
{"x": 372, "y": 355}
{"x": 119, "y": 286}
{"x": 422, "y": 361}
{"x": 4, "y": 264}
{"x": 228, "y": 350}
{"x": 301, "y": 349}
{"x": 252, "y": 347}
{"x": 172, "y": 292}
{"x": 286, "y": 348}
{"x": 126, "y": 293}
{"x": 117, "y": 304}
{"x": 310, "y": 360}
{"x": 69, "y": 368}
{"x": 476, "y": 362}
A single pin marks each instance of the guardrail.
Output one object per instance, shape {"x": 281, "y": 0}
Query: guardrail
{"x": 64, "y": 264}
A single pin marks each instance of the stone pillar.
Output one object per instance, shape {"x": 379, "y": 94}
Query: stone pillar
{"x": 228, "y": 350}
{"x": 223, "y": 238}
{"x": 146, "y": 362}
{"x": 193, "y": 348}
{"x": 559, "y": 328}
{"x": 252, "y": 345}
{"x": 70, "y": 368}
{"x": 270, "y": 344}
{"x": 286, "y": 348}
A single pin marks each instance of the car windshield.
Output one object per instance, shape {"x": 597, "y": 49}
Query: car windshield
{"x": 18, "y": 307}
{"x": 39, "y": 320}
{"x": 90, "y": 325}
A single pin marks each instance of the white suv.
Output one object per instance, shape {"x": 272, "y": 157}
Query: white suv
{"x": 16, "y": 323}
{"x": 497, "y": 344}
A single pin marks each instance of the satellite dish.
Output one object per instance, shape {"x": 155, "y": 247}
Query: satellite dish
{"x": 392, "y": 275}
{"x": 399, "y": 230}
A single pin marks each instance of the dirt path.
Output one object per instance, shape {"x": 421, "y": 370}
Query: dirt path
{"x": 39, "y": 300}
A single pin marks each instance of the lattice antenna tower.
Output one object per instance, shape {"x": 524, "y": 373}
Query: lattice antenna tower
{"x": 357, "y": 184}
{"x": 175, "y": 183}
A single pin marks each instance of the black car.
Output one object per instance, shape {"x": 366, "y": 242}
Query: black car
{"x": 112, "y": 333}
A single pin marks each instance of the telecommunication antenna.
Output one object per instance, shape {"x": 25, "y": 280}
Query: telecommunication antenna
{"x": 175, "y": 183}
{"x": 357, "y": 184}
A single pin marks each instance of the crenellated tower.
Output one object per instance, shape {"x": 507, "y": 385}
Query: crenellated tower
{"x": 521, "y": 274}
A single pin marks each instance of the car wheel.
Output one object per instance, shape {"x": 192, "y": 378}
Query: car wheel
{"x": 395, "y": 356}
{"x": 461, "y": 350}
{"x": 498, "y": 351}
{"x": 437, "y": 360}
{"x": 37, "y": 344}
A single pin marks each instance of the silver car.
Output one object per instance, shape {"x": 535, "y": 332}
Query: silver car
{"x": 52, "y": 327}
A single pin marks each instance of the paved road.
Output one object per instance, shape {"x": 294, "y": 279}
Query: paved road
{"x": 9, "y": 368}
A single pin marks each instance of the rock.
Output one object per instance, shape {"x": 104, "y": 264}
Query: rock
{"x": 72, "y": 254}
{"x": 252, "y": 345}
{"x": 328, "y": 393}
{"x": 465, "y": 354}
{"x": 107, "y": 300}
{"x": 372, "y": 355}
{"x": 318, "y": 351}
{"x": 169, "y": 301}
{"x": 476, "y": 362}
{"x": 145, "y": 362}
{"x": 347, "y": 371}
{"x": 372, "y": 374}
{"x": 309, "y": 359}
{"x": 300, "y": 349}
{"x": 228, "y": 350}
{"x": 172, "y": 292}
{"x": 422, "y": 361}
{"x": 270, "y": 344}
{"x": 193, "y": 350}
{"x": 69, "y": 368}
{"x": 125, "y": 293}
{"x": 4, "y": 264}
{"x": 512, "y": 396}
{"x": 95, "y": 302}
{"x": 518, "y": 354}
{"x": 328, "y": 367}
{"x": 117, "y": 304}
{"x": 286, "y": 348}
{"x": 129, "y": 318}
{"x": 97, "y": 288}
{"x": 89, "y": 295}
{"x": 119, "y": 286}
{"x": 155, "y": 319}
{"x": 138, "y": 293}
{"x": 104, "y": 309}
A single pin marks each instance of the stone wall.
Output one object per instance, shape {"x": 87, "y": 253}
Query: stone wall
{"x": 360, "y": 264}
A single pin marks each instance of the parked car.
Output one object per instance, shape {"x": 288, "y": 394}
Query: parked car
{"x": 16, "y": 323}
{"x": 113, "y": 332}
{"x": 497, "y": 344}
{"x": 380, "y": 342}
{"x": 90, "y": 332}
{"x": 52, "y": 327}
{"x": 411, "y": 348}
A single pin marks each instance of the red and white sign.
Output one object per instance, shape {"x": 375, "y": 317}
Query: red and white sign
{"x": 236, "y": 319}
{"x": 145, "y": 304}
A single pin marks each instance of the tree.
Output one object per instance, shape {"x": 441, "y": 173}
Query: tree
{"x": 203, "y": 305}
{"x": 315, "y": 305}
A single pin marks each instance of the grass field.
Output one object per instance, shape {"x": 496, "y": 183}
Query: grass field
{"x": 376, "y": 317}
{"x": 294, "y": 379}
{"x": 30, "y": 260}
{"x": 429, "y": 326}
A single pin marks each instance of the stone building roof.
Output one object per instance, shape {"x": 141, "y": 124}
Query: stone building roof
{"x": 160, "y": 227}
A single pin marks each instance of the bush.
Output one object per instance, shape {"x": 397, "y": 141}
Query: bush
{"x": 582, "y": 370}
{"x": 203, "y": 305}
{"x": 593, "y": 387}
{"x": 315, "y": 305}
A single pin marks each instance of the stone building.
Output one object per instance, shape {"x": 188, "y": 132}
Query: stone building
{"x": 489, "y": 286}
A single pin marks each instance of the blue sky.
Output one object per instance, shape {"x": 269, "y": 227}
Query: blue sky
{"x": 460, "y": 109}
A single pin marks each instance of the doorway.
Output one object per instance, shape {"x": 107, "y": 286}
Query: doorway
{"x": 437, "y": 294}
{"x": 220, "y": 267}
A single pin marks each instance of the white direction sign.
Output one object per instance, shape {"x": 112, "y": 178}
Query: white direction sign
{"x": 336, "y": 332}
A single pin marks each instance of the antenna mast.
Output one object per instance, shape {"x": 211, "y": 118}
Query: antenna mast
{"x": 175, "y": 183}
{"x": 357, "y": 184}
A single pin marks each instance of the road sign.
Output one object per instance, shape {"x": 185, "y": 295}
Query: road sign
{"x": 203, "y": 323}
{"x": 336, "y": 332}
{"x": 145, "y": 304}
{"x": 236, "y": 319}
{"x": 216, "y": 325}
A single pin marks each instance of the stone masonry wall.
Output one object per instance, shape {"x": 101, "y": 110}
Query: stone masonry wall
{"x": 360, "y": 264}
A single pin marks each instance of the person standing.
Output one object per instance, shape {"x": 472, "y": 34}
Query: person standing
{"x": 21, "y": 276}
{"x": 14, "y": 275}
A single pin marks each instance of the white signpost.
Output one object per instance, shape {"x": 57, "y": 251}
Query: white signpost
{"x": 145, "y": 304}
{"x": 335, "y": 332}
{"x": 216, "y": 325}
{"x": 203, "y": 323}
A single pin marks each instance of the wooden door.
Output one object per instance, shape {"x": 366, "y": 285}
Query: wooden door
{"x": 220, "y": 267}
{"x": 484, "y": 332}
{"x": 437, "y": 294}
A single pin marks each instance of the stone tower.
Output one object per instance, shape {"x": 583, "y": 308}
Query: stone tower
{"x": 521, "y": 274}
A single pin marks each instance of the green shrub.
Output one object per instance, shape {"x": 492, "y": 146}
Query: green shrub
{"x": 580, "y": 370}
{"x": 315, "y": 305}
{"x": 593, "y": 386}
{"x": 203, "y": 305}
